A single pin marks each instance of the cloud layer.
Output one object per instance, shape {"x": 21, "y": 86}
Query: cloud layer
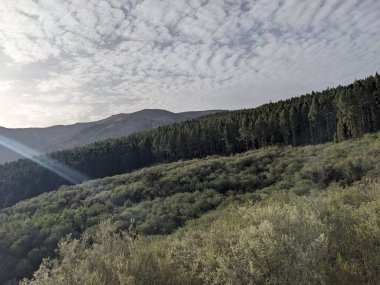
{"x": 77, "y": 60}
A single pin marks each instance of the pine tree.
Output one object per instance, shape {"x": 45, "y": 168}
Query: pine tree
{"x": 293, "y": 122}
{"x": 313, "y": 120}
{"x": 284, "y": 124}
{"x": 245, "y": 134}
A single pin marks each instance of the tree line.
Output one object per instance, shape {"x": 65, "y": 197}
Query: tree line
{"x": 335, "y": 114}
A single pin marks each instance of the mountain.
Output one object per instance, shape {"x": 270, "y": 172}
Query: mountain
{"x": 335, "y": 114}
{"x": 60, "y": 137}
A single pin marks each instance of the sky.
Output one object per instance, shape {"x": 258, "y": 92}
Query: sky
{"x": 67, "y": 61}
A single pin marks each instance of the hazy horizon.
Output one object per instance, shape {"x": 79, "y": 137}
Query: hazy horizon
{"x": 107, "y": 117}
{"x": 63, "y": 62}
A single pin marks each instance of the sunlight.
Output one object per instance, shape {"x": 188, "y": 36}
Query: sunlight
{"x": 55, "y": 166}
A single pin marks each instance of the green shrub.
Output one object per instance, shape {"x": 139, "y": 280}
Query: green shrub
{"x": 330, "y": 237}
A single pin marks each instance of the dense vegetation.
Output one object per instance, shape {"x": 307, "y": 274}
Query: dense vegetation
{"x": 329, "y": 237}
{"x": 334, "y": 114}
{"x": 162, "y": 198}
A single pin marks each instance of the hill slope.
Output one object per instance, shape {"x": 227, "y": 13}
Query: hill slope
{"x": 335, "y": 114}
{"x": 162, "y": 198}
{"x": 328, "y": 237}
{"x": 55, "y": 138}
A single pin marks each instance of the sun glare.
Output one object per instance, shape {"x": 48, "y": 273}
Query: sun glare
{"x": 53, "y": 165}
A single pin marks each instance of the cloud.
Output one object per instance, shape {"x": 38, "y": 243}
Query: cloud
{"x": 7, "y": 85}
{"x": 119, "y": 56}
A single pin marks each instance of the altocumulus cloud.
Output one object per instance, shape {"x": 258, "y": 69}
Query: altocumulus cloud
{"x": 66, "y": 61}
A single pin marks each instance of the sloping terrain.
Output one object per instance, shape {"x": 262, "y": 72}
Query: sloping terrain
{"x": 325, "y": 237}
{"x": 335, "y": 114}
{"x": 162, "y": 198}
{"x": 55, "y": 138}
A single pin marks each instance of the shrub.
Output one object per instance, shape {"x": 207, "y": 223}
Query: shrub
{"x": 330, "y": 237}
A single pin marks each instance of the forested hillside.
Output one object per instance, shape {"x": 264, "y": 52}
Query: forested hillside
{"x": 44, "y": 140}
{"x": 334, "y": 114}
{"x": 162, "y": 198}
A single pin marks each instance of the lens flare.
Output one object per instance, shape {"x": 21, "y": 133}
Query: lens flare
{"x": 55, "y": 166}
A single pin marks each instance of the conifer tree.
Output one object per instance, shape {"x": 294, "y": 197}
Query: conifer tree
{"x": 293, "y": 123}
{"x": 284, "y": 124}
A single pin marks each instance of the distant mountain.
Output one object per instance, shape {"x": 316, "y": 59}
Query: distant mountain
{"x": 61, "y": 137}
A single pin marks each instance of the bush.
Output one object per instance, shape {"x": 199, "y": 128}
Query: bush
{"x": 330, "y": 237}
{"x": 105, "y": 261}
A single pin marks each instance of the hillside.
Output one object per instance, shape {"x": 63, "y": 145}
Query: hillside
{"x": 162, "y": 198}
{"x": 329, "y": 237}
{"x": 335, "y": 114}
{"x": 55, "y": 138}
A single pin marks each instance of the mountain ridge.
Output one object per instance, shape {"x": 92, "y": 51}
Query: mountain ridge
{"x": 59, "y": 137}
